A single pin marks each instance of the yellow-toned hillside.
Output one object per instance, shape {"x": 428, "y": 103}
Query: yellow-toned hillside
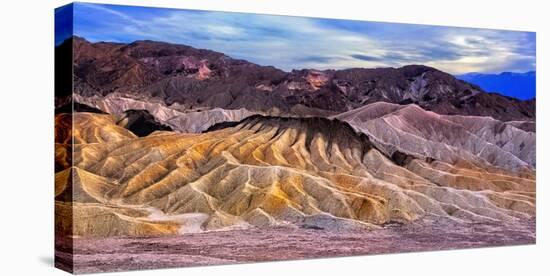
{"x": 269, "y": 171}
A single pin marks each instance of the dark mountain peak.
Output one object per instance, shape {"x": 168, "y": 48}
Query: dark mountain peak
{"x": 414, "y": 70}
{"x": 331, "y": 131}
{"x": 141, "y": 122}
{"x": 76, "y": 38}
{"x": 206, "y": 79}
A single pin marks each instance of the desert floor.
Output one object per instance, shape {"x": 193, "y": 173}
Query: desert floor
{"x": 283, "y": 243}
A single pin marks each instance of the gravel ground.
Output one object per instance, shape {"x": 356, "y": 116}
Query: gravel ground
{"x": 277, "y": 244}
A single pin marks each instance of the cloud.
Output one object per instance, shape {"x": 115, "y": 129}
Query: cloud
{"x": 298, "y": 42}
{"x": 365, "y": 57}
{"x": 315, "y": 59}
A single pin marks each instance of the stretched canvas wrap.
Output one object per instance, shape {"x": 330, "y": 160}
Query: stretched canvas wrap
{"x": 188, "y": 138}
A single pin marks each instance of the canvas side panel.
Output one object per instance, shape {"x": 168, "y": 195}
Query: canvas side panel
{"x": 63, "y": 138}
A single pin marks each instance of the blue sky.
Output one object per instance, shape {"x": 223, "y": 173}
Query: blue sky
{"x": 297, "y": 42}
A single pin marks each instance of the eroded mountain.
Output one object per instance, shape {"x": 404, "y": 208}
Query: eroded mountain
{"x": 268, "y": 171}
{"x": 203, "y": 79}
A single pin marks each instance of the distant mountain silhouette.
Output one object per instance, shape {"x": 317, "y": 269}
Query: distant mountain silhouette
{"x": 517, "y": 85}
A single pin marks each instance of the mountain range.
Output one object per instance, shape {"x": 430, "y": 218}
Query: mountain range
{"x": 169, "y": 139}
{"x": 518, "y": 85}
{"x": 198, "y": 79}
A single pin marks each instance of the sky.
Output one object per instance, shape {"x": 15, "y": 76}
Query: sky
{"x": 299, "y": 42}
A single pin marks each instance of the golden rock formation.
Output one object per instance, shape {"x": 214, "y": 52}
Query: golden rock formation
{"x": 267, "y": 171}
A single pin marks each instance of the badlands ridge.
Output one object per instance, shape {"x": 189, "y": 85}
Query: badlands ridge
{"x": 297, "y": 172}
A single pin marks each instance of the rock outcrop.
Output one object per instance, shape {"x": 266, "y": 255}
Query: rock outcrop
{"x": 140, "y": 122}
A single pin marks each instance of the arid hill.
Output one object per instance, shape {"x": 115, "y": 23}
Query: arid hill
{"x": 202, "y": 79}
{"x": 422, "y": 133}
{"x": 269, "y": 171}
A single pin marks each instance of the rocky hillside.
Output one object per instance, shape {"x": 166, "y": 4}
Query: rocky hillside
{"x": 447, "y": 138}
{"x": 268, "y": 171}
{"x": 203, "y": 79}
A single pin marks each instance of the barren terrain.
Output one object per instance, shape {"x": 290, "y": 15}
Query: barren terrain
{"x": 284, "y": 243}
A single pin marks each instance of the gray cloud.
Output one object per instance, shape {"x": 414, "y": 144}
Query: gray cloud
{"x": 366, "y": 58}
{"x": 296, "y": 42}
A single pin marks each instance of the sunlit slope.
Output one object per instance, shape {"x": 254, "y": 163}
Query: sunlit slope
{"x": 307, "y": 172}
{"x": 411, "y": 129}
